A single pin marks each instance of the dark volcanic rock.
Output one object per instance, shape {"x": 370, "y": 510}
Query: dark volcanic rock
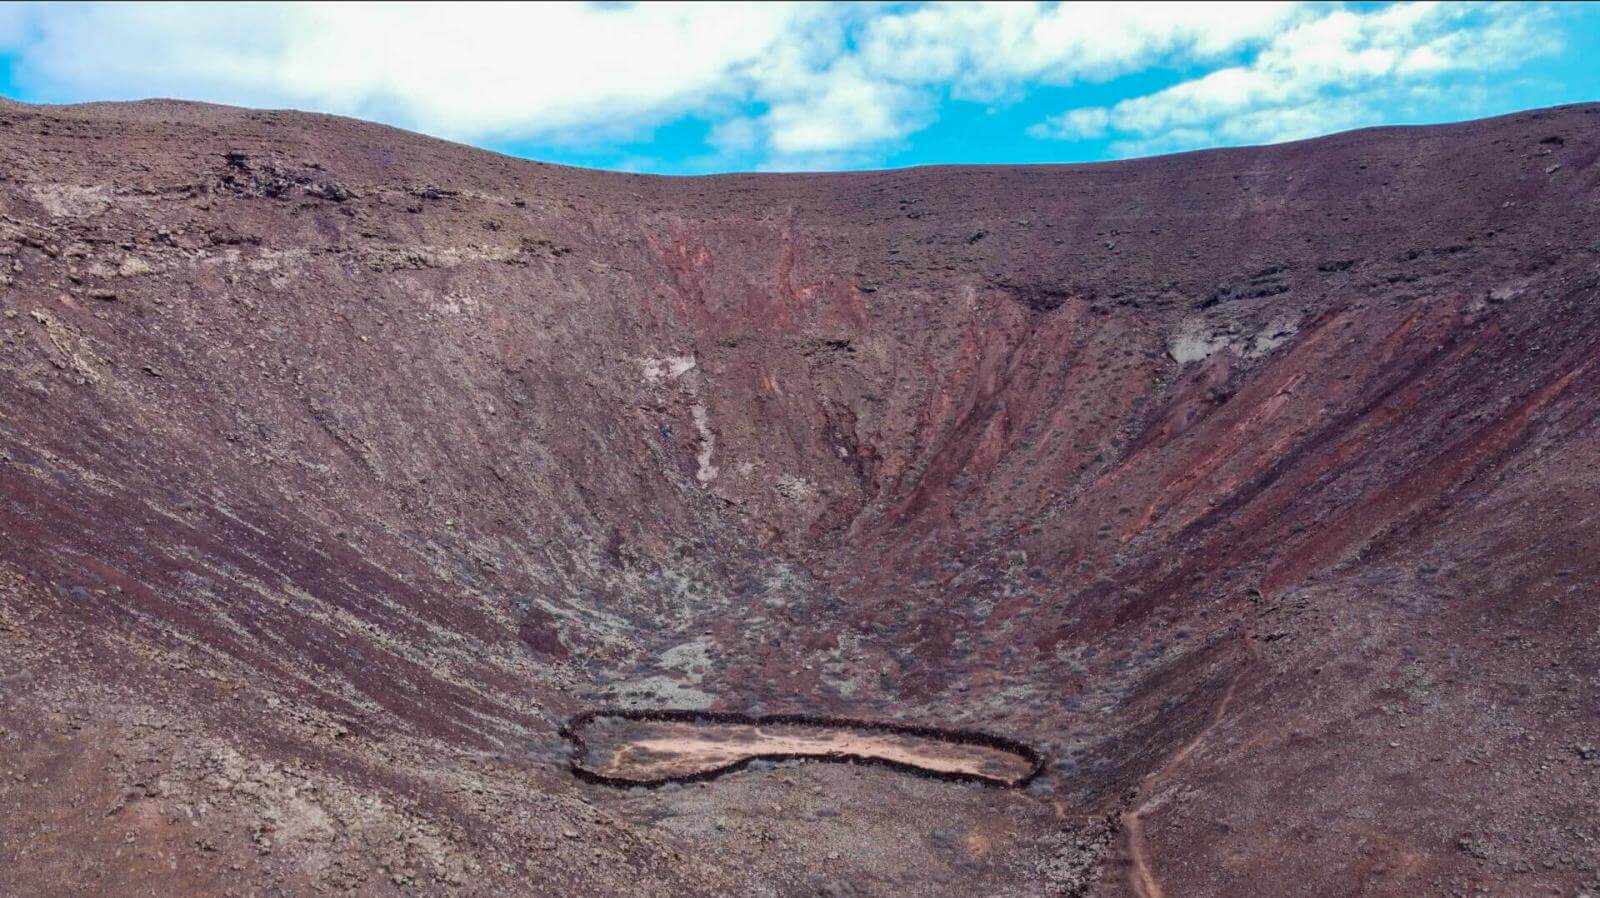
{"x": 1256, "y": 488}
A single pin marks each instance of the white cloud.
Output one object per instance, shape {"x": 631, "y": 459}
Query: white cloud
{"x": 469, "y": 71}
{"x": 830, "y": 96}
{"x": 786, "y": 85}
{"x": 1337, "y": 70}
{"x": 734, "y": 135}
{"x": 1075, "y": 124}
{"x": 982, "y": 49}
{"x": 845, "y": 109}
{"x": 12, "y": 30}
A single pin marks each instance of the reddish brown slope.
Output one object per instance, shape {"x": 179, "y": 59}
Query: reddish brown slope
{"x": 340, "y": 464}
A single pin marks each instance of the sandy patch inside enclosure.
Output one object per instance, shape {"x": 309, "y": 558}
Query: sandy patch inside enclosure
{"x": 650, "y": 751}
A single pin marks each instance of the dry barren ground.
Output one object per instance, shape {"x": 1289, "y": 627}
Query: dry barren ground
{"x": 653, "y": 751}
{"x": 340, "y": 467}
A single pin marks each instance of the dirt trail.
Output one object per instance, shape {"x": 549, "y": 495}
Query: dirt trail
{"x": 1141, "y": 876}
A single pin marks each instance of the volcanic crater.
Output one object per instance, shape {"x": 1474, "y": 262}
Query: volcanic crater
{"x": 1238, "y": 510}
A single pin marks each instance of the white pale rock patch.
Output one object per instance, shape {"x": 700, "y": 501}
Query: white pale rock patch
{"x": 669, "y": 367}
{"x": 674, "y": 367}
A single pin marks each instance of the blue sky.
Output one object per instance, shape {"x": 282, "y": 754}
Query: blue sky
{"x": 686, "y": 88}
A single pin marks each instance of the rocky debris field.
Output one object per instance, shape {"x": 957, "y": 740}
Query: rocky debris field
{"x": 1255, "y": 489}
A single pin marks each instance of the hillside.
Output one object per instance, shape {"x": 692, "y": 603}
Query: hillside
{"x": 1258, "y": 490}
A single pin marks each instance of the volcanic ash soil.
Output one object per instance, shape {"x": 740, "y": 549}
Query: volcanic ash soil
{"x": 341, "y": 468}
